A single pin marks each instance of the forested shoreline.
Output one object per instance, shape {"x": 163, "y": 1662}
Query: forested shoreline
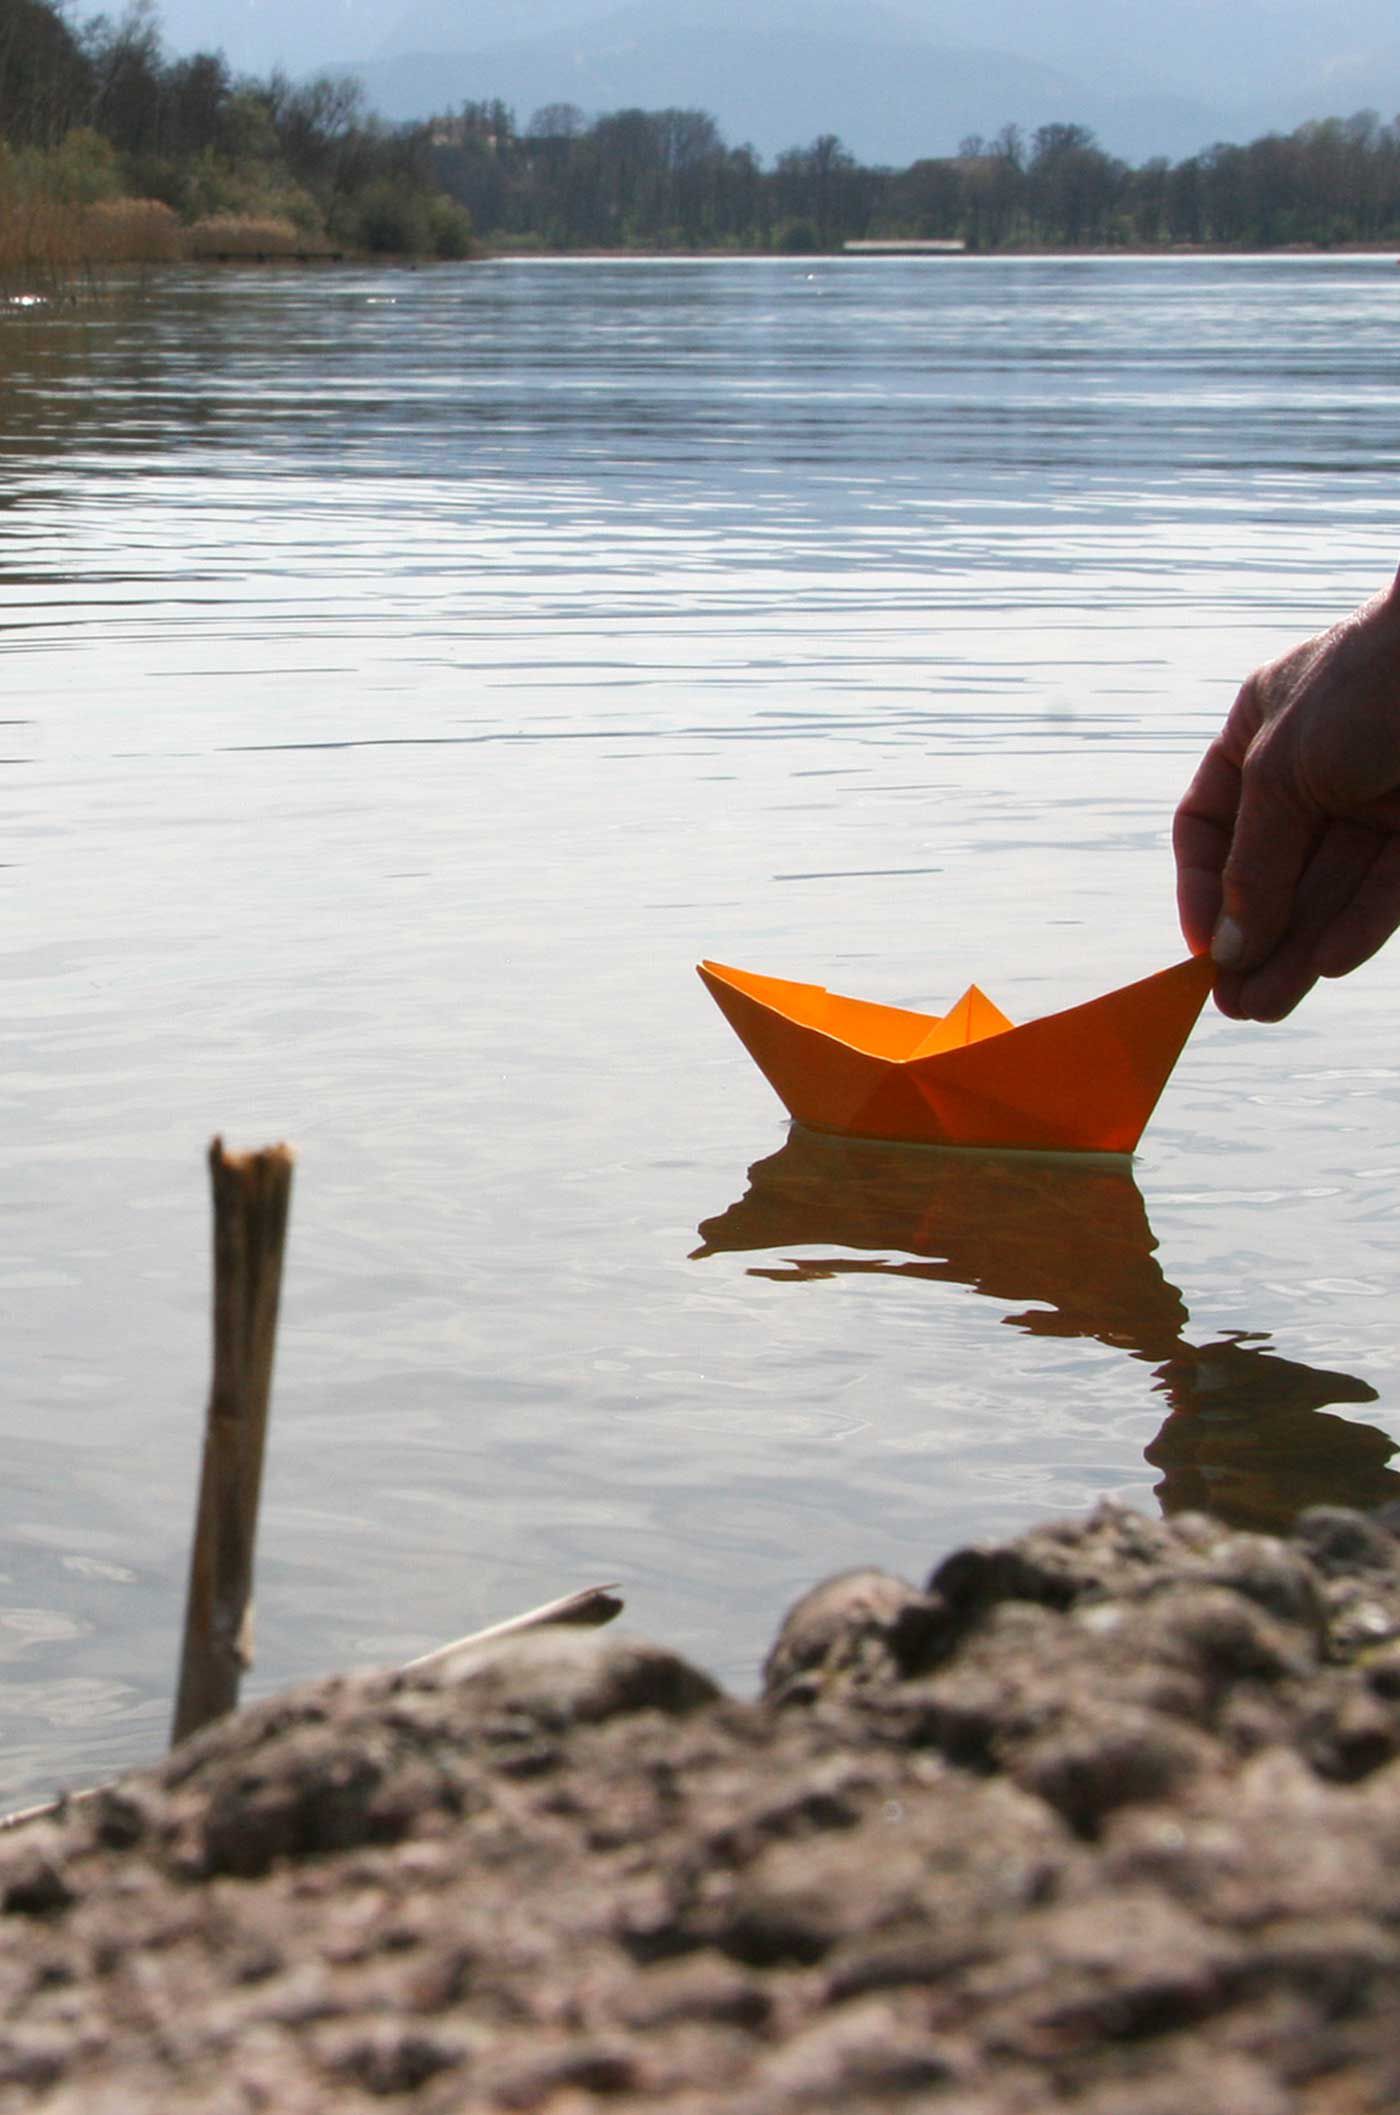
{"x": 110, "y": 148}
{"x": 667, "y": 179}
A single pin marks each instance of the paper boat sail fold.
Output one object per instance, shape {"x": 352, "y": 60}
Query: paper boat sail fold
{"x": 1085, "y": 1080}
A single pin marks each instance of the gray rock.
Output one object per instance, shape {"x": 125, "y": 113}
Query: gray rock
{"x": 1106, "y": 1820}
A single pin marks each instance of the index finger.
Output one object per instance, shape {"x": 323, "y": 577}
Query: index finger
{"x": 1202, "y": 831}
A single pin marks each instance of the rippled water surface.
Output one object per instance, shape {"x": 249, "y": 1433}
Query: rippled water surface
{"x": 410, "y": 675}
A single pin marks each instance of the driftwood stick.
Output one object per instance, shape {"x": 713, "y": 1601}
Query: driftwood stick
{"x": 251, "y": 1196}
{"x": 48, "y": 1807}
{"x": 592, "y": 1607}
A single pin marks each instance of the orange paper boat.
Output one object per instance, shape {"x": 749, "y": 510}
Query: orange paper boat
{"x": 1082, "y": 1081}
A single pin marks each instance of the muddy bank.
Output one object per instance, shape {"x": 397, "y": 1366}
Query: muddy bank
{"x": 1107, "y": 1819}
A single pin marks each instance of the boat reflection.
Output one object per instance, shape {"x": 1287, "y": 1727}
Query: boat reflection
{"x": 1247, "y": 1436}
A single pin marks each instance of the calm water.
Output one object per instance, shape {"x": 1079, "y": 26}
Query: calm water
{"x": 409, "y": 677}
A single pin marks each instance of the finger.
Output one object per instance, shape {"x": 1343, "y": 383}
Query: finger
{"x": 1332, "y": 883}
{"x": 1364, "y": 924}
{"x": 1276, "y": 836}
{"x": 1226, "y": 993}
{"x": 1271, "y": 993}
{"x": 1201, "y": 833}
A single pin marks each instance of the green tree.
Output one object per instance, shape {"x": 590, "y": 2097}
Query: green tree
{"x": 83, "y": 168}
{"x": 927, "y": 199}
{"x": 1186, "y": 202}
{"x": 992, "y": 188}
{"x": 126, "y": 62}
{"x": 1074, "y": 187}
{"x": 820, "y": 185}
{"x": 46, "y": 84}
{"x": 557, "y": 121}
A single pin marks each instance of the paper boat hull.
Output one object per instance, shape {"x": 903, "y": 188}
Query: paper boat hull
{"x": 1085, "y": 1080}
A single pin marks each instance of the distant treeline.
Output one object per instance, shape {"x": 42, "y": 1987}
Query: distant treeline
{"x": 650, "y": 179}
{"x": 110, "y": 148}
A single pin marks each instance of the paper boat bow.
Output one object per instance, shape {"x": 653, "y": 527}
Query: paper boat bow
{"x": 1083, "y": 1081}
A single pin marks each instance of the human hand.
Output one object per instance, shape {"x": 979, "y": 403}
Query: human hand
{"x": 1288, "y": 839}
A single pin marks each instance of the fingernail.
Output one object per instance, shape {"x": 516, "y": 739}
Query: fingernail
{"x": 1227, "y": 944}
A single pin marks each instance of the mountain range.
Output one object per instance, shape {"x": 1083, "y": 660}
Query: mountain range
{"x": 895, "y": 82}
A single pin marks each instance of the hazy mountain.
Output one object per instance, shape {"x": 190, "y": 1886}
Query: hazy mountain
{"x": 1233, "y": 52}
{"x": 777, "y": 77}
{"x": 1356, "y": 79}
{"x": 894, "y": 80}
{"x": 471, "y": 25}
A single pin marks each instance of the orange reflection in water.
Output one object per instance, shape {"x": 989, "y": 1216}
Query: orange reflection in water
{"x": 1247, "y": 1437}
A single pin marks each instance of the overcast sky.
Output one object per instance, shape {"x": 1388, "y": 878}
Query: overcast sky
{"x": 257, "y": 34}
{"x": 1148, "y": 76}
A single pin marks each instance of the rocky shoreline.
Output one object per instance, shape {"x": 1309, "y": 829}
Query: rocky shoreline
{"x": 1106, "y": 1819}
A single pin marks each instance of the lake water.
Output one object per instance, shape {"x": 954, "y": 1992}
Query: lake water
{"x": 409, "y": 677}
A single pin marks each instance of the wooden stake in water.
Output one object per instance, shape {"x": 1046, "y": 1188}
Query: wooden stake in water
{"x": 251, "y": 1196}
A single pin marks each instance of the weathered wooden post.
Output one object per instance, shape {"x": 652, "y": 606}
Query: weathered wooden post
{"x": 251, "y": 1197}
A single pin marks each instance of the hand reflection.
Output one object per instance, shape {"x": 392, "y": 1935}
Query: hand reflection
{"x": 1246, "y": 1438}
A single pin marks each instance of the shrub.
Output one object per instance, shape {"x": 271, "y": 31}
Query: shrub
{"x": 37, "y": 234}
{"x": 388, "y": 218}
{"x": 395, "y": 217}
{"x": 242, "y": 235}
{"x": 216, "y": 186}
{"x": 798, "y": 239}
{"x": 82, "y": 169}
{"x": 129, "y": 231}
{"x": 450, "y": 228}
